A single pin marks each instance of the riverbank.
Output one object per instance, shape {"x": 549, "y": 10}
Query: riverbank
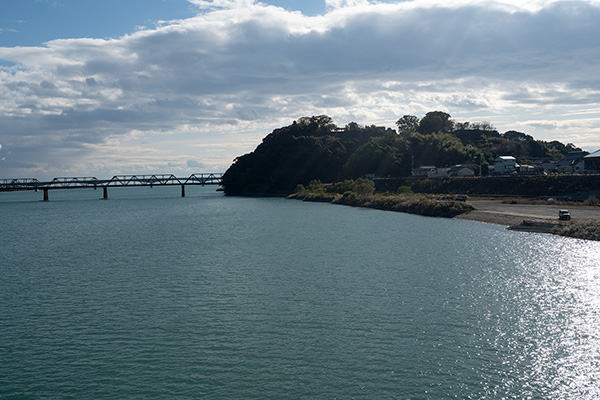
{"x": 413, "y": 204}
{"x": 539, "y": 218}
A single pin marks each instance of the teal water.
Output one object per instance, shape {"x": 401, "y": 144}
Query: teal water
{"x": 153, "y": 296}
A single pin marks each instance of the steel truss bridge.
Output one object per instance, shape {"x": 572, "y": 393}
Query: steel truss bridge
{"x": 116, "y": 181}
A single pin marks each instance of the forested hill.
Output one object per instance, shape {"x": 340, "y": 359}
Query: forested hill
{"x": 315, "y": 148}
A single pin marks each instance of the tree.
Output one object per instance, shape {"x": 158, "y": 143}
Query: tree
{"x": 436, "y": 121}
{"x": 382, "y": 156}
{"x": 408, "y": 125}
{"x": 352, "y": 126}
{"x": 319, "y": 123}
{"x": 517, "y": 136}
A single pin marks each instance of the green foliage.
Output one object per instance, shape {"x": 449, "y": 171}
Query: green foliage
{"x": 442, "y": 149}
{"x": 435, "y": 121}
{"x": 364, "y": 186}
{"x": 408, "y": 125}
{"x": 405, "y": 190}
{"x": 381, "y": 156}
{"x": 313, "y": 148}
{"x": 360, "y": 186}
{"x": 411, "y": 204}
{"x": 316, "y": 186}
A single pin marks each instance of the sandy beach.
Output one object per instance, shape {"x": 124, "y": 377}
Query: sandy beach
{"x": 497, "y": 212}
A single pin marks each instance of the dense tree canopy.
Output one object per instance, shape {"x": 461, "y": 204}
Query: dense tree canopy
{"x": 408, "y": 125}
{"x": 436, "y": 121}
{"x": 314, "y": 148}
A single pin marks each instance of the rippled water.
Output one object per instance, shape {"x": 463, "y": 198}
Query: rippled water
{"x": 153, "y": 296}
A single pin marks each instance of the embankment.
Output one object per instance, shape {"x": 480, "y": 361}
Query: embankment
{"x": 576, "y": 187}
{"x": 415, "y": 204}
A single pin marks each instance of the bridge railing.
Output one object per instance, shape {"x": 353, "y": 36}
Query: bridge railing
{"x": 21, "y": 183}
{"x": 115, "y": 181}
{"x": 143, "y": 180}
{"x": 76, "y": 182}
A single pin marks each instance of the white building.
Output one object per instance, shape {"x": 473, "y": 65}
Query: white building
{"x": 505, "y": 165}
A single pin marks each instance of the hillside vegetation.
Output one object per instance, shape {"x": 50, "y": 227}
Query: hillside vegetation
{"x": 314, "y": 148}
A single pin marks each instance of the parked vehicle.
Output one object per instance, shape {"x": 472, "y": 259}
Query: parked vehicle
{"x": 564, "y": 215}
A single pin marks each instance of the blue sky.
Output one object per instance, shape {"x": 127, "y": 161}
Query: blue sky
{"x": 110, "y": 87}
{"x": 33, "y": 22}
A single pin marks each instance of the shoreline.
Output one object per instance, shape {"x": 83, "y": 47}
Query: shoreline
{"x": 538, "y": 218}
{"x": 535, "y": 218}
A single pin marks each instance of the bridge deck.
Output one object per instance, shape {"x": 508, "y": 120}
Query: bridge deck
{"x": 115, "y": 181}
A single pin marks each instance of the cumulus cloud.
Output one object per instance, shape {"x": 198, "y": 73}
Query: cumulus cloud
{"x": 241, "y": 68}
{"x": 346, "y": 3}
{"x": 208, "y": 4}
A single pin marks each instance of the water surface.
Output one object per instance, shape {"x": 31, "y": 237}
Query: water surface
{"x": 153, "y": 296}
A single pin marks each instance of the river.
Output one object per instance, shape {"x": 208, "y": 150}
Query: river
{"x": 152, "y": 296}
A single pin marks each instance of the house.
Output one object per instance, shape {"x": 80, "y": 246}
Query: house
{"x": 429, "y": 171}
{"x": 438, "y": 173}
{"x": 423, "y": 170}
{"x": 460, "y": 171}
{"x": 591, "y": 162}
{"x": 546, "y": 165}
{"x": 572, "y": 163}
{"x": 530, "y": 170}
{"x": 505, "y": 165}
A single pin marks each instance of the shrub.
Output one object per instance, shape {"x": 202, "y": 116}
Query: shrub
{"x": 592, "y": 201}
{"x": 405, "y": 190}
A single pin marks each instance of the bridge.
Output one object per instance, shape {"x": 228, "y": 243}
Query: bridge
{"x": 116, "y": 181}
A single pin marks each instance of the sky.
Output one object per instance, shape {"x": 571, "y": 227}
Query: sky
{"x": 100, "y": 88}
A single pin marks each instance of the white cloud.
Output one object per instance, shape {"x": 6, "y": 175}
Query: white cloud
{"x": 346, "y": 3}
{"x": 211, "y": 4}
{"x": 240, "y": 69}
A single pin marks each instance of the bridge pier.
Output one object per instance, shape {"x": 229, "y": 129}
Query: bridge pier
{"x": 104, "y": 193}
{"x": 46, "y": 198}
{"x": 182, "y": 190}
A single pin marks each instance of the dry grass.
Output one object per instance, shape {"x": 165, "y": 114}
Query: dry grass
{"x": 592, "y": 201}
{"x": 589, "y": 230}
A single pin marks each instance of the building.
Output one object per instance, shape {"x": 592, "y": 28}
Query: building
{"x": 460, "y": 171}
{"x": 505, "y": 165}
{"x": 429, "y": 171}
{"x": 572, "y": 163}
{"x": 591, "y": 162}
{"x": 546, "y": 165}
{"x": 424, "y": 170}
{"x": 530, "y": 170}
